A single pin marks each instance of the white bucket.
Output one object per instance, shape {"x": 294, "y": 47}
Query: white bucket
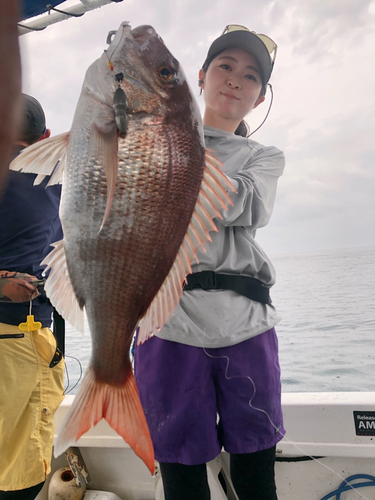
{"x": 100, "y": 495}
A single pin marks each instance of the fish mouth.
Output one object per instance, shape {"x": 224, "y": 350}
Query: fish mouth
{"x": 117, "y": 38}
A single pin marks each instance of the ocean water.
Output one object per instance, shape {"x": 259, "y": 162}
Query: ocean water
{"x": 327, "y": 332}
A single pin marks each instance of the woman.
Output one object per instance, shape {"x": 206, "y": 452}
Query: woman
{"x": 218, "y": 355}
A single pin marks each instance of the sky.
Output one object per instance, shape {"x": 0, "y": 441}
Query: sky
{"x": 322, "y": 117}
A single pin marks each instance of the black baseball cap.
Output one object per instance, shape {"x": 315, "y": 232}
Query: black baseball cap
{"x": 249, "y": 41}
{"x": 34, "y": 120}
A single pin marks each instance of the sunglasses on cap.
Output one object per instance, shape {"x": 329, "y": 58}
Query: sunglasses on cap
{"x": 268, "y": 42}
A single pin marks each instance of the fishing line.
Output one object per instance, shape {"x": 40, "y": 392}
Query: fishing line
{"x": 66, "y": 391}
{"x": 277, "y": 429}
{"x": 268, "y": 112}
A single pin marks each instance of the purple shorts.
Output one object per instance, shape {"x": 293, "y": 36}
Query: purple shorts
{"x": 197, "y": 401}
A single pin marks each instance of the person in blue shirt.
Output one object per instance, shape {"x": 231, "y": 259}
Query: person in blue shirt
{"x": 31, "y": 367}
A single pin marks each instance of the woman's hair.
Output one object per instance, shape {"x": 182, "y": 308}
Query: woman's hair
{"x": 243, "y": 128}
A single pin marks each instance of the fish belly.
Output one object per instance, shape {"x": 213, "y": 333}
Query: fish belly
{"x": 116, "y": 271}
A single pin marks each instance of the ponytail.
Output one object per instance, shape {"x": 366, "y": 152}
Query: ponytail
{"x": 242, "y": 129}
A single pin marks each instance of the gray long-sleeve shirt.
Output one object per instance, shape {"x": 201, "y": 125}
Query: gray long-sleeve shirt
{"x": 217, "y": 318}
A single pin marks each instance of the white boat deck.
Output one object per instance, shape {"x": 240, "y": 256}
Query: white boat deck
{"x": 317, "y": 424}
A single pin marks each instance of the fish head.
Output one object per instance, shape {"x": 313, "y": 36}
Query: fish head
{"x": 139, "y": 75}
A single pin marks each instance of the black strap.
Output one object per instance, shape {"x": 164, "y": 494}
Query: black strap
{"x": 59, "y": 331}
{"x": 244, "y": 285}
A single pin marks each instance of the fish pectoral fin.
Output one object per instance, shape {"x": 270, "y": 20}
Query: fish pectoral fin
{"x": 212, "y": 196}
{"x": 118, "y": 405}
{"x": 105, "y": 147}
{"x": 46, "y": 157}
{"x": 59, "y": 288}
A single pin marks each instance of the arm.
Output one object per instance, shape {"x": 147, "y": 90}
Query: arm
{"x": 10, "y": 83}
{"x": 256, "y": 189}
{"x": 17, "y": 287}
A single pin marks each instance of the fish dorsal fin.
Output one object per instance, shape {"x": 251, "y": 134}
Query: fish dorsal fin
{"x": 213, "y": 195}
{"x": 105, "y": 146}
{"x": 59, "y": 287}
{"x": 42, "y": 157}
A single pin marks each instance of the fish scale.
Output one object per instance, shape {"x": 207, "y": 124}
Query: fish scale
{"x": 141, "y": 191}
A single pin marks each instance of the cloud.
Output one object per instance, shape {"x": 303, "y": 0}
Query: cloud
{"x": 323, "y": 111}
{"x": 320, "y": 27}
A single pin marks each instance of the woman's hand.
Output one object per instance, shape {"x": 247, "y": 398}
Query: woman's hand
{"x": 17, "y": 287}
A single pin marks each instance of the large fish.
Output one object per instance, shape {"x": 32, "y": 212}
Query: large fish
{"x": 139, "y": 194}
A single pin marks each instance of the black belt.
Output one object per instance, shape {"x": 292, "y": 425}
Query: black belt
{"x": 244, "y": 285}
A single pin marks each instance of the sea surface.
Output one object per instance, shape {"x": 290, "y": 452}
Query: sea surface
{"x": 327, "y": 332}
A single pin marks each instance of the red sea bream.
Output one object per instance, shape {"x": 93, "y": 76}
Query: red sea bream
{"x": 139, "y": 194}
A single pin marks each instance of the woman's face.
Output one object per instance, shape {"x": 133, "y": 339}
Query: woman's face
{"x": 232, "y": 85}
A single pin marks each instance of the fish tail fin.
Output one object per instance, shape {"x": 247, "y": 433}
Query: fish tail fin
{"x": 120, "y": 406}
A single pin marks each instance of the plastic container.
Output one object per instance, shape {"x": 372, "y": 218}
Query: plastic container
{"x": 100, "y": 495}
{"x": 64, "y": 487}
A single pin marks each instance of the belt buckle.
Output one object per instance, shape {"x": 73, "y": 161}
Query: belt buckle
{"x": 209, "y": 279}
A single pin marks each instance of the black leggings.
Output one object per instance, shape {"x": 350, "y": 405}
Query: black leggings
{"x": 253, "y": 477}
{"x": 27, "y": 494}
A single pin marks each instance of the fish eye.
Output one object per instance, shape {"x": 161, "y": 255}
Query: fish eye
{"x": 166, "y": 73}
